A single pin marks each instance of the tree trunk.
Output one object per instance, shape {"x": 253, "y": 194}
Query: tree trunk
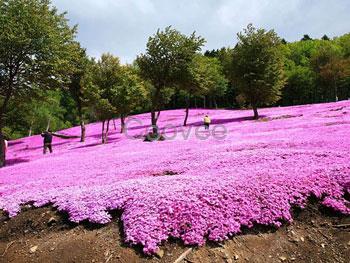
{"x": 186, "y": 116}
{"x": 210, "y": 102}
{"x": 256, "y": 114}
{"x": 195, "y": 102}
{"x": 175, "y": 100}
{"x": 155, "y": 106}
{"x": 215, "y": 104}
{"x": 48, "y": 125}
{"x": 154, "y": 122}
{"x": 2, "y": 139}
{"x": 115, "y": 126}
{"x": 30, "y": 129}
{"x": 336, "y": 90}
{"x": 107, "y": 130}
{"x": 122, "y": 124}
{"x": 83, "y": 131}
{"x": 103, "y": 131}
{"x": 3, "y": 110}
{"x": 158, "y": 114}
{"x": 204, "y": 102}
{"x": 187, "y": 111}
{"x": 2, "y": 150}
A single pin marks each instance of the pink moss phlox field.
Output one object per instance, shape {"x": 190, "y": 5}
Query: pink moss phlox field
{"x": 191, "y": 189}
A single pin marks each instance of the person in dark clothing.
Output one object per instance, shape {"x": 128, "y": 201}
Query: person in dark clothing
{"x": 47, "y": 141}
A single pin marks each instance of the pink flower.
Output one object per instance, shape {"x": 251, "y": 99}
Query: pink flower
{"x": 189, "y": 189}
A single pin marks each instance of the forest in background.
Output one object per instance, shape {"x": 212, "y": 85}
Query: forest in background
{"x": 92, "y": 89}
{"x": 308, "y": 66}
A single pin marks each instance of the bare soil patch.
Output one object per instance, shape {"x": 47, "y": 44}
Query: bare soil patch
{"x": 45, "y": 235}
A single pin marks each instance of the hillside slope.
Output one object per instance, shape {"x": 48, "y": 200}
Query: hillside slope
{"x": 192, "y": 189}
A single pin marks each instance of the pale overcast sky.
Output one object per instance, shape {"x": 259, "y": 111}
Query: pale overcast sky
{"x": 122, "y": 27}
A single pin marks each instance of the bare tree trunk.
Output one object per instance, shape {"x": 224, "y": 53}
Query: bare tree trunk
{"x": 186, "y": 116}
{"x": 336, "y": 90}
{"x": 154, "y": 122}
{"x": 2, "y": 113}
{"x": 256, "y": 114}
{"x": 122, "y": 124}
{"x": 82, "y": 123}
{"x": 103, "y": 131}
{"x": 215, "y": 104}
{"x": 187, "y": 111}
{"x": 83, "y": 131}
{"x": 115, "y": 127}
{"x": 210, "y": 102}
{"x": 175, "y": 100}
{"x": 158, "y": 114}
{"x": 2, "y": 150}
{"x": 48, "y": 124}
{"x": 2, "y": 139}
{"x": 107, "y": 130}
{"x": 30, "y": 129}
{"x": 155, "y": 106}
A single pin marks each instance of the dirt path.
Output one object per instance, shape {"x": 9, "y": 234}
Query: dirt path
{"x": 43, "y": 235}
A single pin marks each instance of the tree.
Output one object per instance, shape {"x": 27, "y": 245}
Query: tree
{"x": 325, "y": 37}
{"x": 211, "y": 53}
{"x": 79, "y": 79}
{"x": 193, "y": 81}
{"x": 106, "y": 77}
{"x": 335, "y": 70}
{"x": 167, "y": 56}
{"x": 105, "y": 112}
{"x": 129, "y": 93}
{"x": 344, "y": 43}
{"x": 46, "y": 114}
{"x": 34, "y": 115}
{"x": 35, "y": 49}
{"x": 344, "y": 85}
{"x": 300, "y": 85}
{"x": 306, "y": 38}
{"x": 224, "y": 97}
{"x": 328, "y": 64}
{"x": 258, "y": 67}
{"x": 205, "y": 77}
{"x": 217, "y": 83}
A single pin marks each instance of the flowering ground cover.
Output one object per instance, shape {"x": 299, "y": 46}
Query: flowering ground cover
{"x": 189, "y": 188}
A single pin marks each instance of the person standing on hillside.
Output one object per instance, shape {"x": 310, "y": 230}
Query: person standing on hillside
{"x": 47, "y": 141}
{"x": 207, "y": 122}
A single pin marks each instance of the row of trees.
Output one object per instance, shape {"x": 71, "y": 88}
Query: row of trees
{"x": 36, "y": 45}
{"x": 315, "y": 70}
{"x": 46, "y": 74}
{"x": 47, "y": 79}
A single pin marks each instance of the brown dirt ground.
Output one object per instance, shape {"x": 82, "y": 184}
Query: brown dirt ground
{"x": 316, "y": 235}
